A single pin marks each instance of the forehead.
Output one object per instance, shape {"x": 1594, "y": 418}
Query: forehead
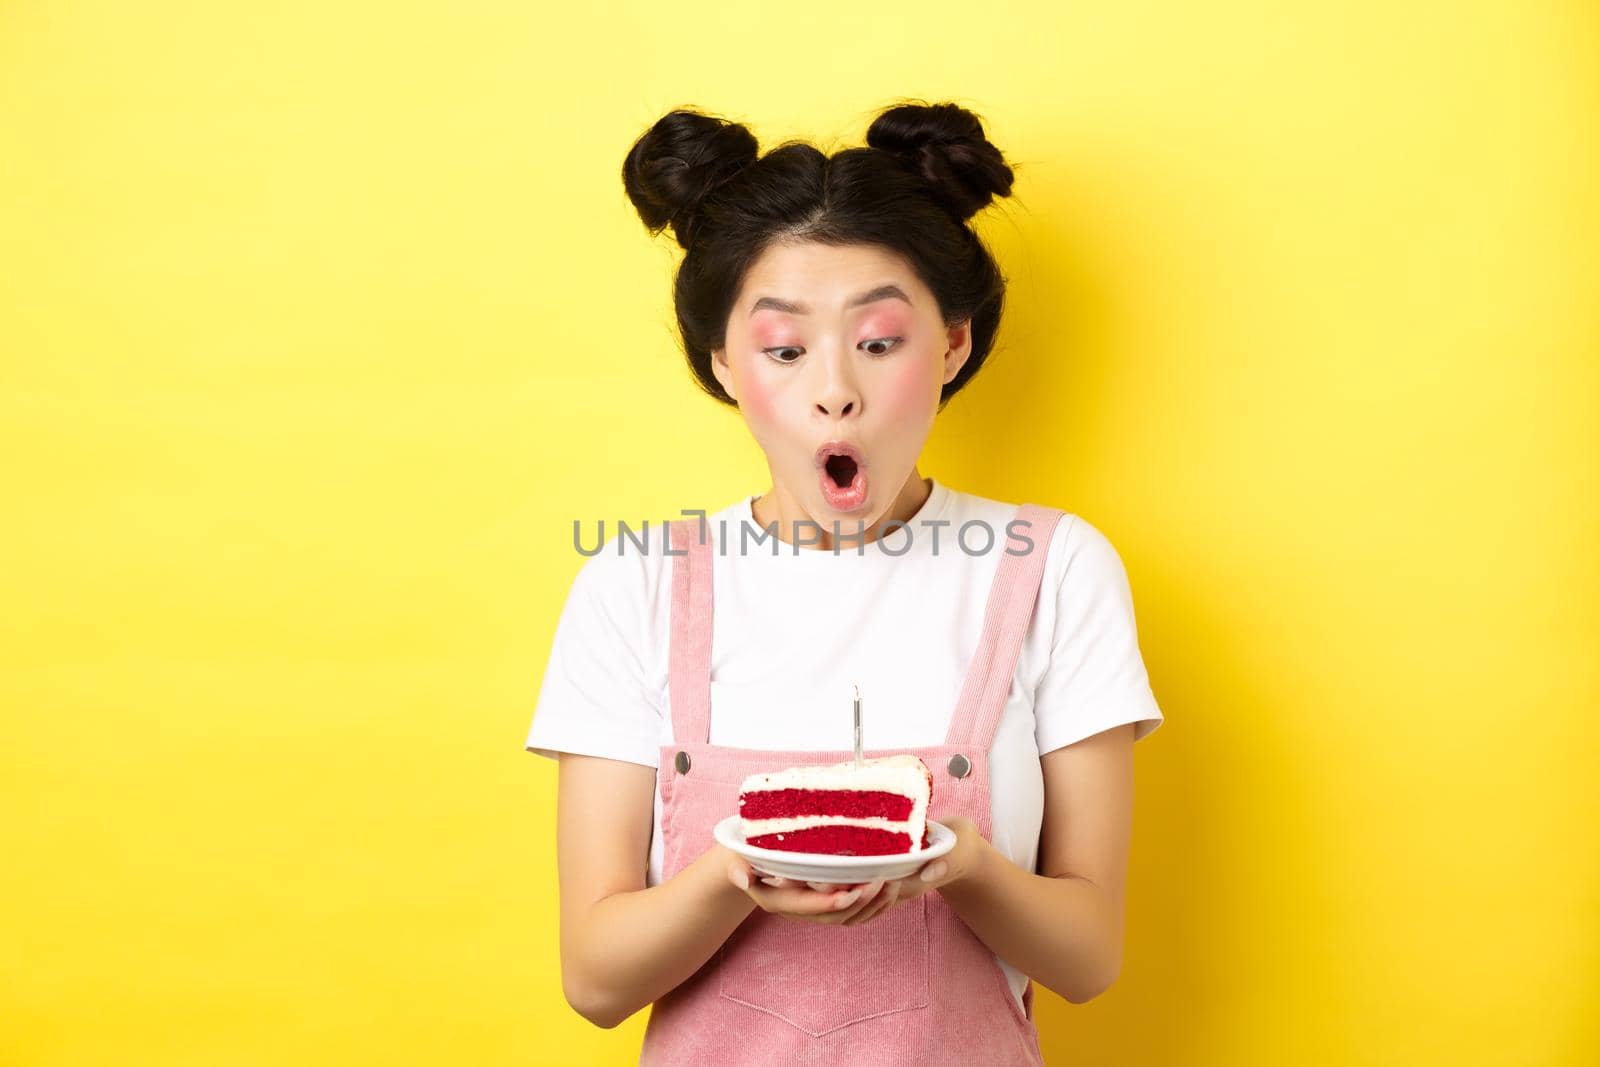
{"x": 827, "y": 275}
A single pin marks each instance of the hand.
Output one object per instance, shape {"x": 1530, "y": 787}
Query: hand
{"x": 959, "y": 863}
{"x": 814, "y": 902}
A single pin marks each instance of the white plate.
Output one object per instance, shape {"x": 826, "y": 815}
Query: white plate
{"x": 834, "y": 870}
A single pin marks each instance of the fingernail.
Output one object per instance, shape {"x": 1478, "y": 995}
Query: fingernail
{"x": 847, "y": 900}
{"x": 774, "y": 882}
{"x": 934, "y": 871}
{"x": 741, "y": 879}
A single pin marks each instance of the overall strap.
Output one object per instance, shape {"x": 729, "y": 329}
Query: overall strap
{"x": 1005, "y": 624}
{"x": 689, "y": 653}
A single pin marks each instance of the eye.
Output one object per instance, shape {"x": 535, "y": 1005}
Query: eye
{"x": 776, "y": 354}
{"x": 889, "y": 343}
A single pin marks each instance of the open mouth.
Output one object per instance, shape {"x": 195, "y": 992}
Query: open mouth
{"x": 842, "y": 469}
{"x": 842, "y": 475}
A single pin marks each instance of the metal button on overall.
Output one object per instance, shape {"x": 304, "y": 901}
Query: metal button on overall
{"x": 960, "y": 766}
{"x": 681, "y": 761}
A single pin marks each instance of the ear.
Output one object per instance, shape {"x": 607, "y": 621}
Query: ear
{"x": 959, "y": 339}
{"x": 721, "y": 371}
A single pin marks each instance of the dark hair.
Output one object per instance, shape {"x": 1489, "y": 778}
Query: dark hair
{"x": 926, "y": 171}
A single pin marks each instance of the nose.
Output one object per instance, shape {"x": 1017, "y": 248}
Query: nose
{"x": 838, "y": 393}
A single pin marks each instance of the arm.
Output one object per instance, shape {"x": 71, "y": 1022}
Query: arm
{"x": 624, "y": 945}
{"x": 1064, "y": 926}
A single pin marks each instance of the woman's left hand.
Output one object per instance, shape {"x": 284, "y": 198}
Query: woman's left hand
{"x": 960, "y": 862}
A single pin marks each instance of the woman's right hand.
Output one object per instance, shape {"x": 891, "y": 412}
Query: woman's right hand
{"x": 828, "y": 905}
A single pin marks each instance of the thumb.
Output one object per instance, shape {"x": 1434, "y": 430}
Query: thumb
{"x": 739, "y": 874}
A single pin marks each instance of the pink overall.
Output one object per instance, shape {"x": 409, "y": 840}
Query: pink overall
{"x": 912, "y": 986}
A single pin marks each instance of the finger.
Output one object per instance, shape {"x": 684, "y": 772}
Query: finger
{"x": 885, "y": 900}
{"x": 739, "y": 874}
{"x": 821, "y": 887}
{"x": 868, "y": 913}
{"x": 802, "y": 902}
{"x": 870, "y": 892}
{"x": 866, "y": 897}
{"x": 912, "y": 886}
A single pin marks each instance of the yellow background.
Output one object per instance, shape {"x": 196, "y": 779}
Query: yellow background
{"x": 321, "y": 323}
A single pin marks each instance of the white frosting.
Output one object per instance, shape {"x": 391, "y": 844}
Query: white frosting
{"x": 753, "y": 827}
{"x": 904, "y": 775}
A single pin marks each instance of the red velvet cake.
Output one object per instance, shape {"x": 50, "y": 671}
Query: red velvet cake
{"x": 878, "y": 809}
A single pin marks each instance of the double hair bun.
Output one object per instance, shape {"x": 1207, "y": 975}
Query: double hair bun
{"x": 675, "y": 166}
{"x": 945, "y": 144}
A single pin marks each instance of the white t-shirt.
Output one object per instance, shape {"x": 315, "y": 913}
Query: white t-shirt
{"x": 793, "y": 627}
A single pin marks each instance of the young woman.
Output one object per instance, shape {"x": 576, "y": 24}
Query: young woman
{"x": 838, "y": 303}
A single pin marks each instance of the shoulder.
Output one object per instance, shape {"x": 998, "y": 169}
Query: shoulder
{"x": 1085, "y": 553}
{"x": 1081, "y": 562}
{"x": 629, "y": 567}
{"x": 623, "y": 568}
{"x": 1085, "y": 595}
{"x": 1070, "y": 535}
{"x": 1083, "y": 565}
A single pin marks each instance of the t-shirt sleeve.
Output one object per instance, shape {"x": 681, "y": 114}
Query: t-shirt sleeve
{"x": 1096, "y": 677}
{"x": 596, "y": 698}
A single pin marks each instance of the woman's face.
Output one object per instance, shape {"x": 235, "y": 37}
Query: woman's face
{"x": 838, "y": 346}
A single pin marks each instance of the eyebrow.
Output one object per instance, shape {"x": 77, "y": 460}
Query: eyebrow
{"x": 882, "y": 292}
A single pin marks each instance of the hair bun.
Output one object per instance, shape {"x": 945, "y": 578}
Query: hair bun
{"x": 945, "y": 144}
{"x": 671, "y": 169}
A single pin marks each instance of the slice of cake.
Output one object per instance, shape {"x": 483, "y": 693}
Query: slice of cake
{"x": 878, "y": 809}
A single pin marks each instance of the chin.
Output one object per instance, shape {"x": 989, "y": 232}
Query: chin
{"x": 863, "y": 511}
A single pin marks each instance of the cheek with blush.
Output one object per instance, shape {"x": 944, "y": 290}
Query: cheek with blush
{"x": 755, "y": 399}
{"x": 911, "y": 390}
